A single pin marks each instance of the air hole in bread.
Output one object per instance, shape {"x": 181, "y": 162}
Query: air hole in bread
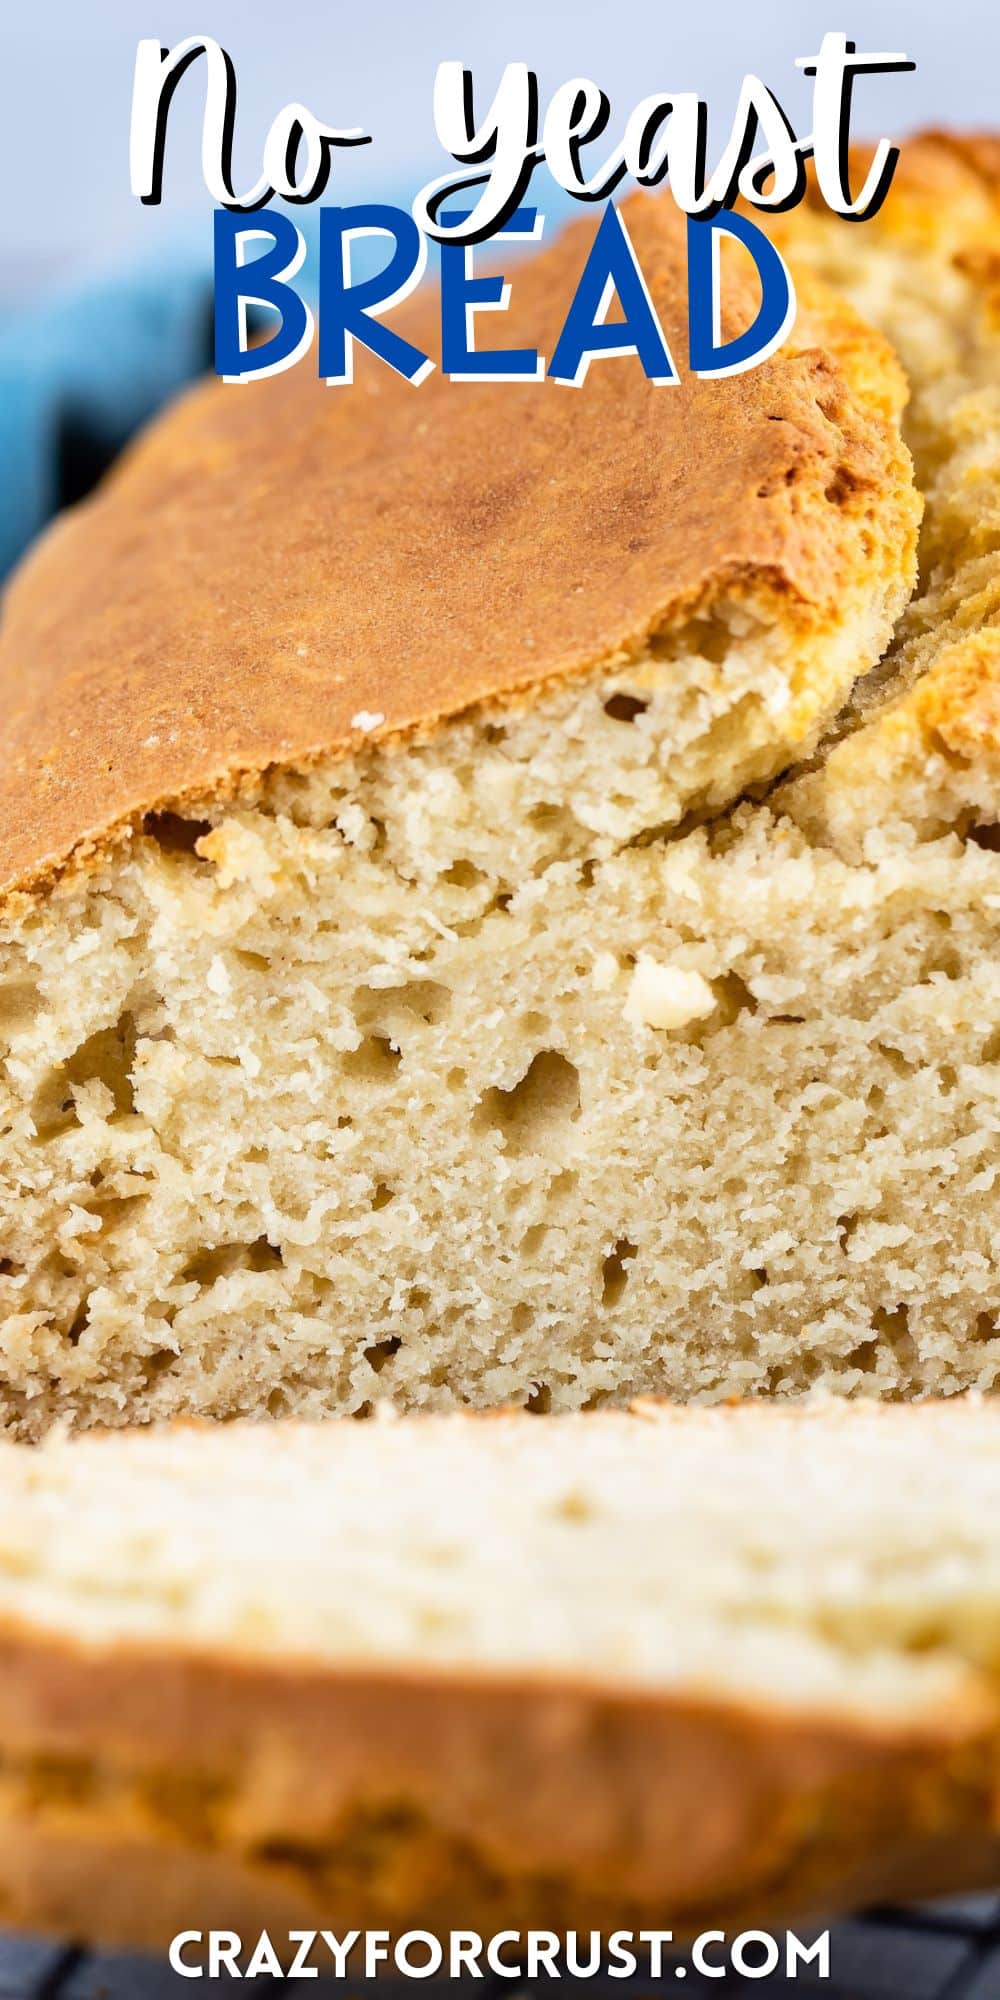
{"x": 254, "y": 961}
{"x": 539, "y": 1402}
{"x": 841, "y": 487}
{"x": 985, "y": 1327}
{"x": 864, "y": 1357}
{"x": 56, "y": 1268}
{"x": 173, "y": 833}
{"x": 944, "y": 963}
{"x": 114, "y": 1209}
{"x": 424, "y": 999}
{"x": 708, "y": 638}
{"x": 987, "y": 836}
{"x": 893, "y": 1330}
{"x": 375, "y": 1060}
{"x": 733, "y": 997}
{"x": 894, "y": 1058}
{"x": 225, "y": 1258}
{"x": 533, "y": 1238}
{"x": 78, "y": 1324}
{"x": 381, "y": 1012}
{"x": 941, "y": 746}
{"x": 157, "y": 1365}
{"x": 548, "y": 815}
{"x": 463, "y": 875}
{"x": 614, "y": 1271}
{"x": 105, "y": 1058}
{"x": 18, "y": 1002}
{"x": 624, "y": 707}
{"x": 381, "y": 1352}
{"x": 562, "y": 1185}
{"x": 536, "y": 1109}
{"x": 383, "y": 1195}
{"x": 769, "y": 487}
{"x": 385, "y": 1017}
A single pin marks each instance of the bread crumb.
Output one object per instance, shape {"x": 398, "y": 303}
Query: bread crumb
{"x": 667, "y": 996}
{"x": 239, "y": 855}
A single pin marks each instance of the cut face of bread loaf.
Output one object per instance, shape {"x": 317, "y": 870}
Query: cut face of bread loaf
{"x": 693, "y": 1666}
{"x": 396, "y": 998}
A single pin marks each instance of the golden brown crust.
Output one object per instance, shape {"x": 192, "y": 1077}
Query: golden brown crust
{"x": 273, "y": 559}
{"x": 936, "y": 169}
{"x": 932, "y": 757}
{"x": 140, "y": 1795}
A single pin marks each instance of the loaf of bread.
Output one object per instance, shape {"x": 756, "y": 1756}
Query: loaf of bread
{"x": 409, "y": 985}
{"x": 684, "y": 1667}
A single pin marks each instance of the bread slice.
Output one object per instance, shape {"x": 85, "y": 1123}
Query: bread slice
{"x": 394, "y": 999}
{"x": 684, "y": 1667}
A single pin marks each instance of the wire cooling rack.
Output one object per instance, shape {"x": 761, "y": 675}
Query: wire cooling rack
{"x": 940, "y": 1951}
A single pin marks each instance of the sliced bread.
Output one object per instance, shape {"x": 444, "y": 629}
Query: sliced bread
{"x": 395, "y": 999}
{"x": 684, "y": 1667}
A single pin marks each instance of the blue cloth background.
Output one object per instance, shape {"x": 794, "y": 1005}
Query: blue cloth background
{"x": 79, "y": 373}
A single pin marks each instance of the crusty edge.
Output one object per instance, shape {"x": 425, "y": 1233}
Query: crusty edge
{"x": 142, "y": 1794}
{"x": 930, "y": 758}
{"x": 877, "y": 391}
{"x": 930, "y": 755}
{"x": 238, "y": 780}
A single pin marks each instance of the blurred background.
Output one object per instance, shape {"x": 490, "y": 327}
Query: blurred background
{"x": 65, "y": 83}
{"x": 106, "y": 302}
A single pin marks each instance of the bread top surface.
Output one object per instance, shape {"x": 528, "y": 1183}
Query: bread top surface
{"x": 944, "y": 189}
{"x": 275, "y": 560}
{"x": 756, "y": 1556}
